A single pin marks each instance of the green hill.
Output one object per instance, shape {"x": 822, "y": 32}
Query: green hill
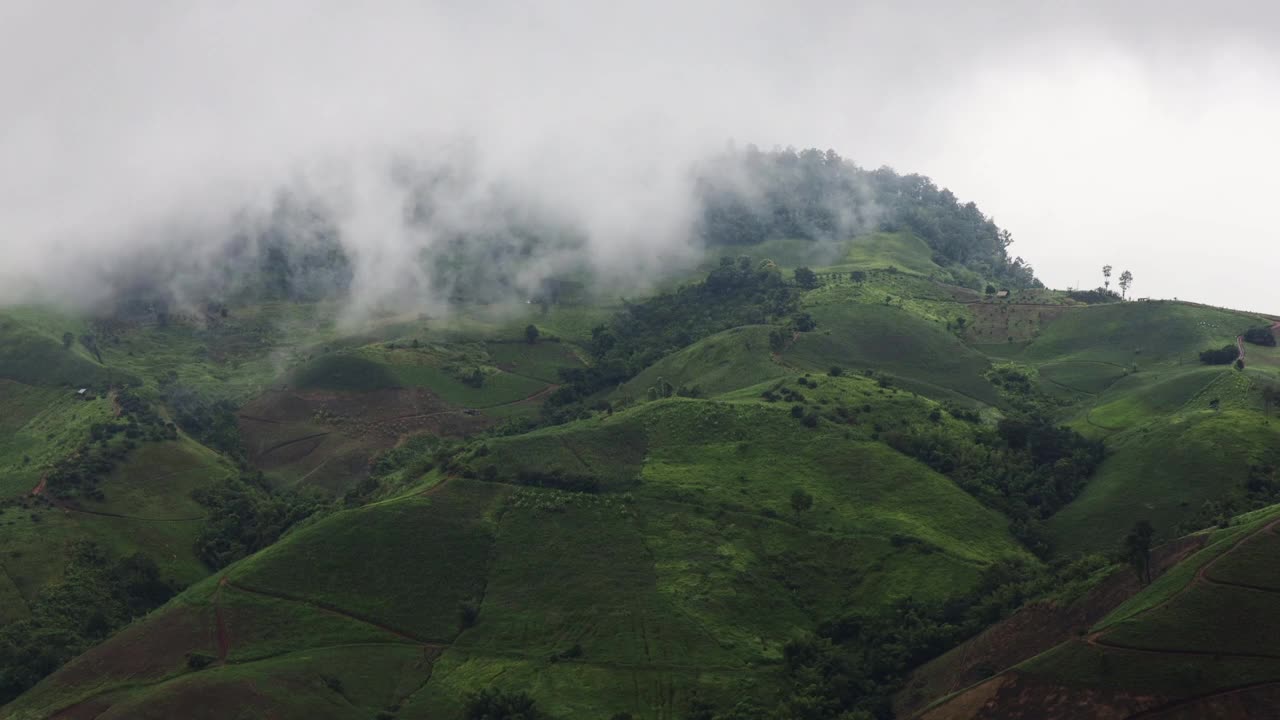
{"x": 689, "y": 571}
{"x": 744, "y": 496}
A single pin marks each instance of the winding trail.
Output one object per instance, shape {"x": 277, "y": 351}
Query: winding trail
{"x": 324, "y": 607}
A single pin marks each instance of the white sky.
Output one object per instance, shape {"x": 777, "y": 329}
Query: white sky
{"x": 1143, "y": 137}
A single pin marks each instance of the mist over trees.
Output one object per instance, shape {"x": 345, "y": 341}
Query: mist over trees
{"x": 442, "y": 232}
{"x": 749, "y": 196}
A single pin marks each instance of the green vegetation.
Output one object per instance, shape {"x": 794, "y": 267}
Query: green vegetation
{"x": 769, "y": 492}
{"x": 96, "y": 594}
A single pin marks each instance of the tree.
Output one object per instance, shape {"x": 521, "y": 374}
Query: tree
{"x": 857, "y": 276}
{"x": 1137, "y": 550}
{"x": 991, "y": 289}
{"x": 1126, "y": 280}
{"x": 1106, "y": 276}
{"x": 801, "y": 501}
{"x": 91, "y": 344}
{"x": 806, "y": 278}
{"x": 67, "y": 339}
{"x": 531, "y": 334}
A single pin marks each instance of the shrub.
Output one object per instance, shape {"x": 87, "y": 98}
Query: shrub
{"x": 199, "y": 660}
{"x": 1225, "y": 356}
{"x": 1260, "y": 336}
{"x": 495, "y": 704}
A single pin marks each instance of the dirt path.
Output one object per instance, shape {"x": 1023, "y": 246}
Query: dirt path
{"x": 335, "y": 611}
{"x": 1163, "y": 709}
{"x": 287, "y": 443}
{"x": 39, "y": 490}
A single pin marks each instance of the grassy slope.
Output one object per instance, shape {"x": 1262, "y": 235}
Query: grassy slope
{"x": 723, "y": 362}
{"x": 1186, "y": 610}
{"x": 687, "y": 583}
{"x": 1188, "y": 640}
{"x": 860, "y": 336}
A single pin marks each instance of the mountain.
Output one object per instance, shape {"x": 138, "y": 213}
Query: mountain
{"x": 777, "y": 488}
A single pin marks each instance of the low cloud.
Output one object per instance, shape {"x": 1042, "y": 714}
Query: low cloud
{"x": 147, "y": 139}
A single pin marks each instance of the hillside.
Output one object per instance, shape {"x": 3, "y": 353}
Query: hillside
{"x": 820, "y": 475}
{"x": 1198, "y": 642}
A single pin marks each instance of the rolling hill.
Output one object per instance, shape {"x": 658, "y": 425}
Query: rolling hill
{"x": 883, "y": 488}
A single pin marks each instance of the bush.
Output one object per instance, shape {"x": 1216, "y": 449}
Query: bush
{"x": 468, "y": 614}
{"x": 1260, "y": 336}
{"x": 1225, "y": 356}
{"x": 495, "y": 704}
{"x": 835, "y": 371}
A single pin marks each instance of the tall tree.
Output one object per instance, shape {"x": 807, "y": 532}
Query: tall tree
{"x": 1137, "y": 549}
{"x": 1106, "y": 276}
{"x": 1126, "y": 280}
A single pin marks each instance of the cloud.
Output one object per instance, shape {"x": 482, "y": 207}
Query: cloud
{"x": 1137, "y": 134}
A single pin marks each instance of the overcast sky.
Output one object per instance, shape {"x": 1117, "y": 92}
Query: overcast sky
{"x": 1143, "y": 137}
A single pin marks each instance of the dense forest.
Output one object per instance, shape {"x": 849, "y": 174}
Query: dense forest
{"x": 750, "y": 196}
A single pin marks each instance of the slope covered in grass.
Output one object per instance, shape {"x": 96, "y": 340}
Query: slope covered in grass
{"x": 1198, "y": 642}
{"x": 717, "y": 364}
{"x": 32, "y": 353}
{"x": 1164, "y": 473}
{"x": 682, "y": 576}
{"x": 887, "y": 339}
{"x": 1136, "y": 332}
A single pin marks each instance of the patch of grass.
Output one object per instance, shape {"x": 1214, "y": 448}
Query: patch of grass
{"x": 891, "y": 340}
{"x": 1087, "y": 377}
{"x": 407, "y": 564}
{"x": 541, "y": 361}
{"x": 1145, "y": 333}
{"x": 1162, "y": 473}
{"x": 31, "y": 352}
{"x": 345, "y": 372}
{"x": 881, "y": 250}
{"x": 1149, "y": 396}
{"x": 156, "y": 481}
{"x": 581, "y": 689}
{"x": 751, "y": 457}
{"x": 717, "y": 364}
{"x": 38, "y": 427}
{"x": 1076, "y": 665}
{"x": 573, "y": 575}
{"x": 1207, "y": 618}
